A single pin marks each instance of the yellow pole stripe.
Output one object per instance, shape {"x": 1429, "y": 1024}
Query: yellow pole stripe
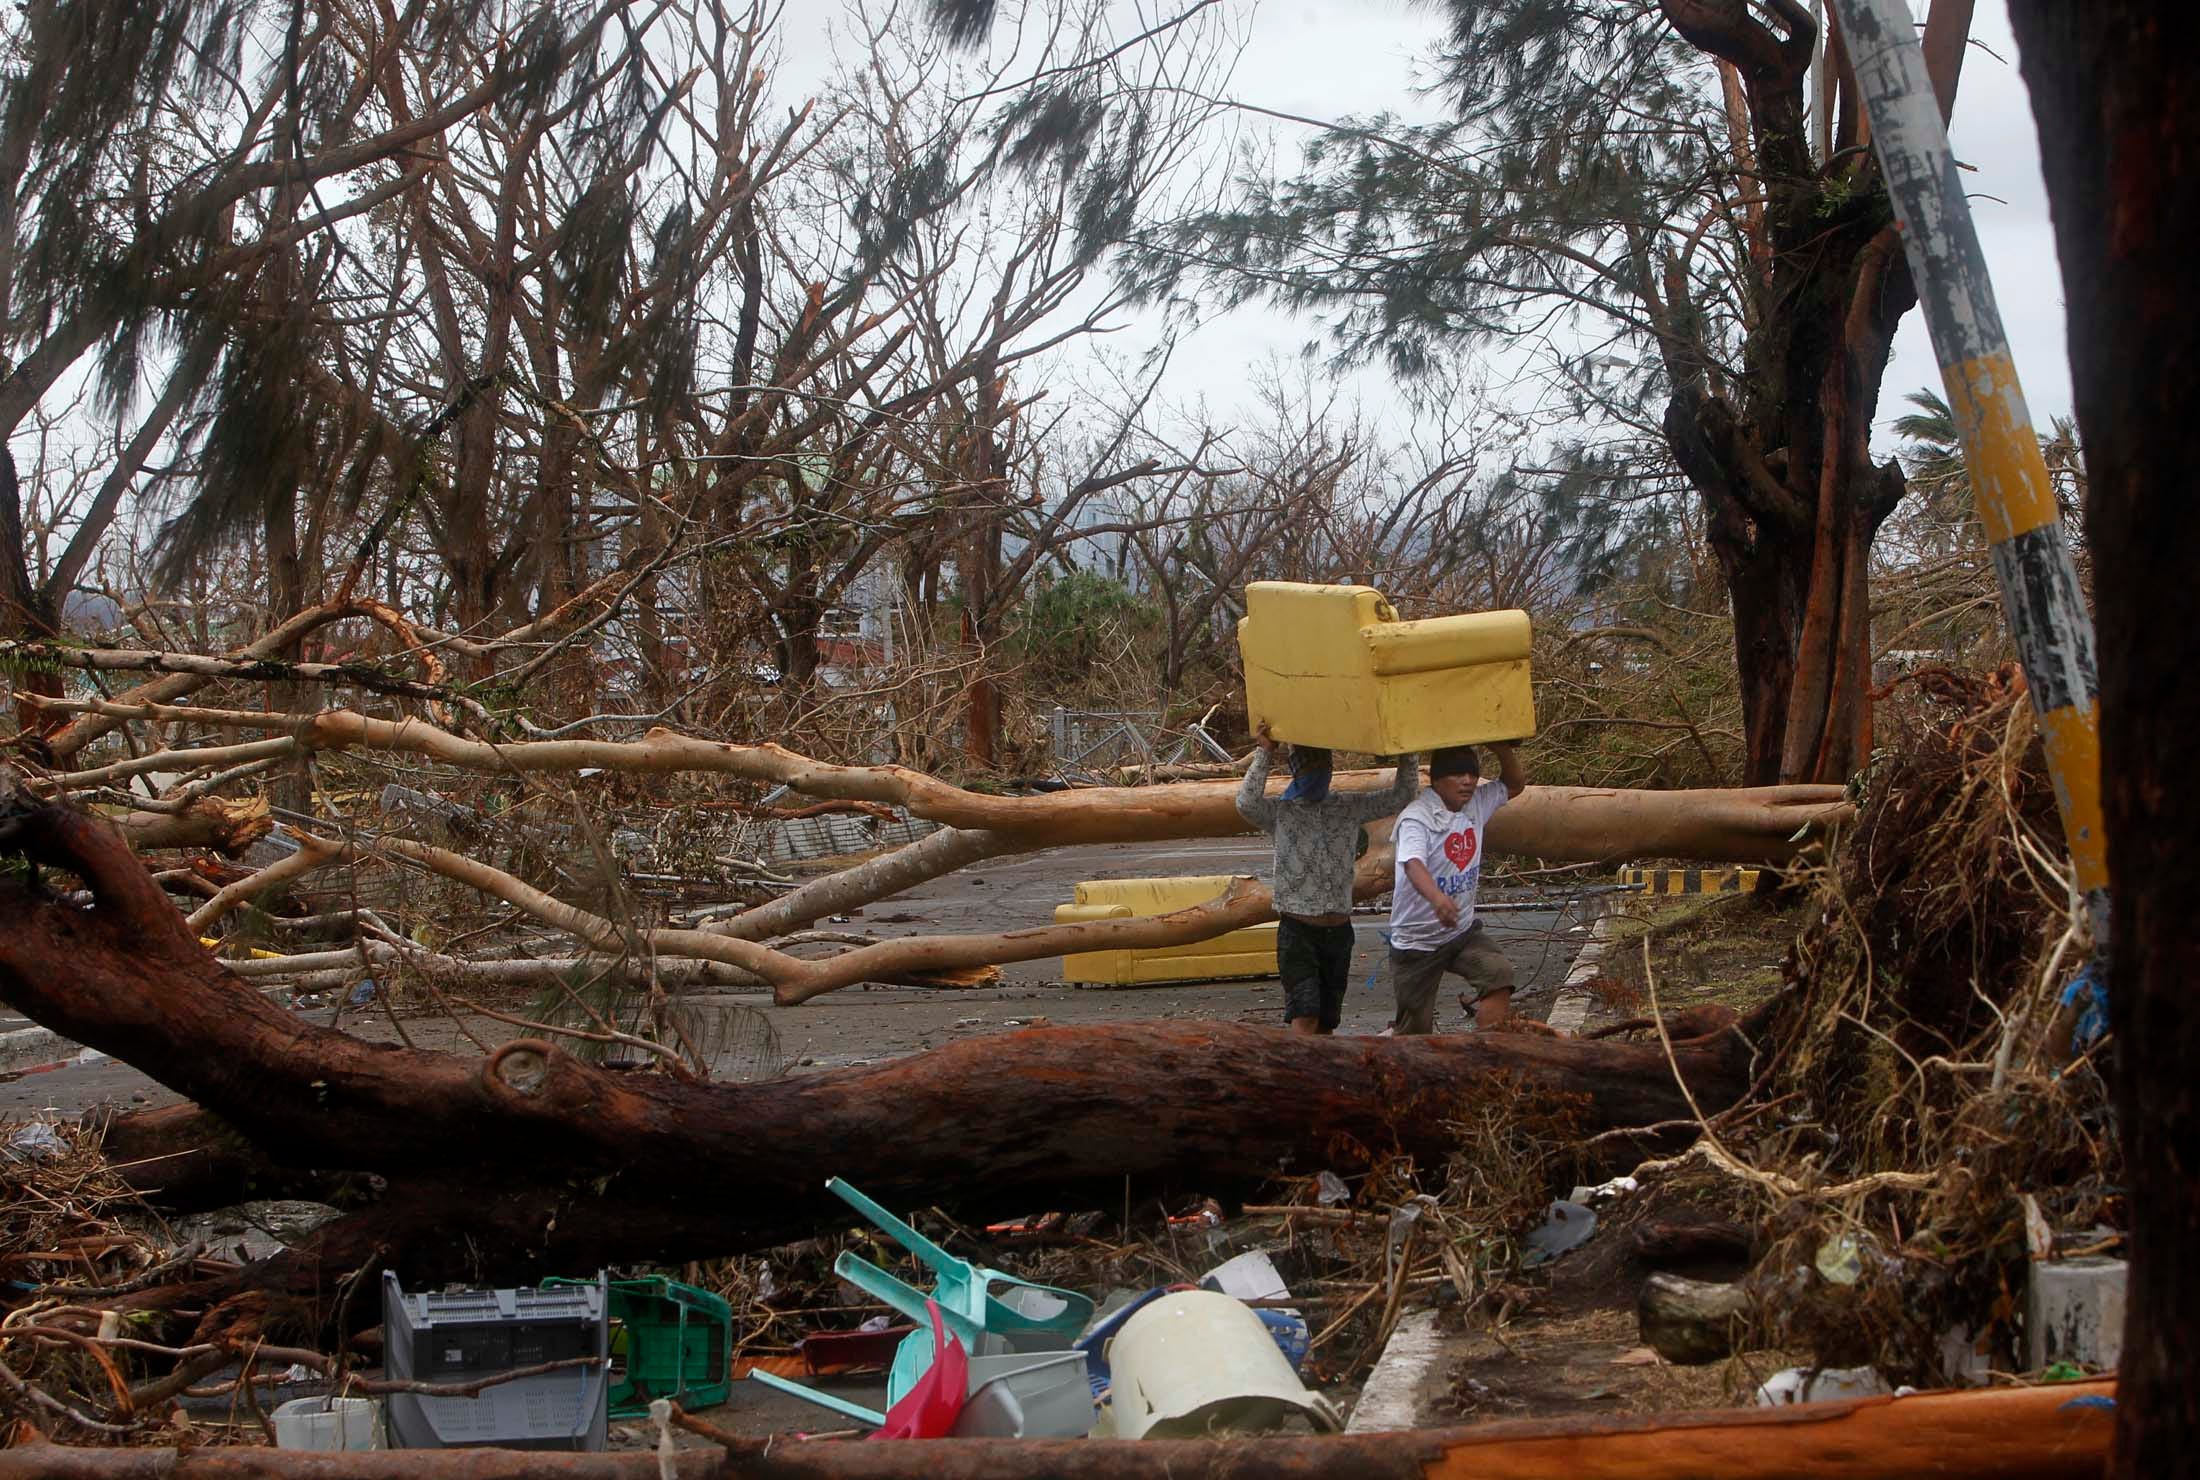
{"x": 2016, "y": 503}
{"x": 2073, "y": 740}
{"x": 2008, "y": 474}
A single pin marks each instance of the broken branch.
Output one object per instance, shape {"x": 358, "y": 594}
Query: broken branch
{"x": 1753, "y": 824}
{"x": 313, "y": 853}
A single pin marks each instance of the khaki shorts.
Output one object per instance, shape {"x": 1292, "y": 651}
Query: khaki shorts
{"x": 1417, "y": 975}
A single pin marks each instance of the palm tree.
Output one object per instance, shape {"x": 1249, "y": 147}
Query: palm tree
{"x": 1941, "y": 517}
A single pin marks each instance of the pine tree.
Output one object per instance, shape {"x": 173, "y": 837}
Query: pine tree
{"x": 181, "y": 187}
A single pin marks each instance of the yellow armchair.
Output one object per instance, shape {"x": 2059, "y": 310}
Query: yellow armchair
{"x": 1333, "y": 666}
{"x": 1250, "y": 952}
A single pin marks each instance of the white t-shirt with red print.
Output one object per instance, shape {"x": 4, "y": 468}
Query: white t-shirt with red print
{"x": 1450, "y": 843}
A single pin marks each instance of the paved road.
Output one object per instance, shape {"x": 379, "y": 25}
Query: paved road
{"x": 860, "y": 1025}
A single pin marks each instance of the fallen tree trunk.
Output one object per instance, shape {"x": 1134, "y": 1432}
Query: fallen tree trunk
{"x": 1999, "y": 1434}
{"x": 559, "y": 1164}
{"x": 201, "y": 666}
{"x": 795, "y": 979}
{"x": 1553, "y": 822}
{"x": 420, "y": 643}
{"x": 932, "y": 856}
{"x": 1562, "y": 823}
{"x": 1566, "y": 823}
{"x": 321, "y": 971}
{"x": 313, "y": 853}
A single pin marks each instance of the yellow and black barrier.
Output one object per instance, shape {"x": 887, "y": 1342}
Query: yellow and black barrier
{"x": 1689, "y": 880}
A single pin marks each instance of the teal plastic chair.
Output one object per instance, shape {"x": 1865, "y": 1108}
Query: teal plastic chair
{"x": 913, "y": 1357}
{"x": 926, "y": 1408}
{"x": 868, "y": 1417}
{"x": 985, "y": 1308}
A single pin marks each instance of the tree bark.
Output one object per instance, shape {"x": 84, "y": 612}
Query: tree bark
{"x": 982, "y": 505}
{"x": 557, "y": 1164}
{"x": 2112, "y": 91}
{"x": 1792, "y": 523}
{"x": 2003, "y": 1434}
{"x": 1669, "y": 1242}
{"x": 929, "y": 857}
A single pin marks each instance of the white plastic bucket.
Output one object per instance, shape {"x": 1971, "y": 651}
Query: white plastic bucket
{"x": 328, "y": 1423}
{"x": 1197, "y": 1363}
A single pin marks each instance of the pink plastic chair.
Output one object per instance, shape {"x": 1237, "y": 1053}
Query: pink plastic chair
{"x": 929, "y": 1410}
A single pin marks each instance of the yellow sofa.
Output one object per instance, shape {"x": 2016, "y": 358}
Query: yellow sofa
{"x": 1250, "y": 952}
{"x": 1333, "y": 666}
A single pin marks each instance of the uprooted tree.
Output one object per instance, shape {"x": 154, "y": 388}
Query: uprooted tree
{"x": 584, "y": 1163}
{"x": 530, "y": 1159}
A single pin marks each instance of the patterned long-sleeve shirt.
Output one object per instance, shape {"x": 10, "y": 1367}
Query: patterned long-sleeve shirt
{"x": 1318, "y": 842}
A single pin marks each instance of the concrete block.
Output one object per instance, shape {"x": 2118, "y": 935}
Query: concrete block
{"x": 1399, "y": 1391}
{"x": 2074, "y": 1312}
{"x": 32, "y": 1048}
{"x": 1250, "y": 952}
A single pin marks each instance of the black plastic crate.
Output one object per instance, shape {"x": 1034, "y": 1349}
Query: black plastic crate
{"x": 461, "y": 1335}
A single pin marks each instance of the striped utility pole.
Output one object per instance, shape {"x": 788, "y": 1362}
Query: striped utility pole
{"x": 2016, "y": 503}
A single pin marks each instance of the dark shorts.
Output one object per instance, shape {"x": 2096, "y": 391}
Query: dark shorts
{"x": 1416, "y": 976}
{"x": 1315, "y": 962}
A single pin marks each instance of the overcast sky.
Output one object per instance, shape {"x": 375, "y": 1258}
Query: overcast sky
{"x": 1329, "y": 58}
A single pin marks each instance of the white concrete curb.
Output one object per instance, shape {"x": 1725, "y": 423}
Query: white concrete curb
{"x": 1392, "y": 1398}
{"x": 1570, "y": 1008}
{"x": 34, "y": 1048}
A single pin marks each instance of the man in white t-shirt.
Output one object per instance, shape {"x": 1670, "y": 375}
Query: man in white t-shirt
{"x": 1439, "y": 868}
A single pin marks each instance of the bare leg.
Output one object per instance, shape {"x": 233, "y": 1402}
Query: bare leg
{"x": 1493, "y": 1009}
{"x": 1307, "y": 1025}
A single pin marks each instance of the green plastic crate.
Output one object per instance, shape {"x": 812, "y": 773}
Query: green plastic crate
{"x": 676, "y": 1340}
